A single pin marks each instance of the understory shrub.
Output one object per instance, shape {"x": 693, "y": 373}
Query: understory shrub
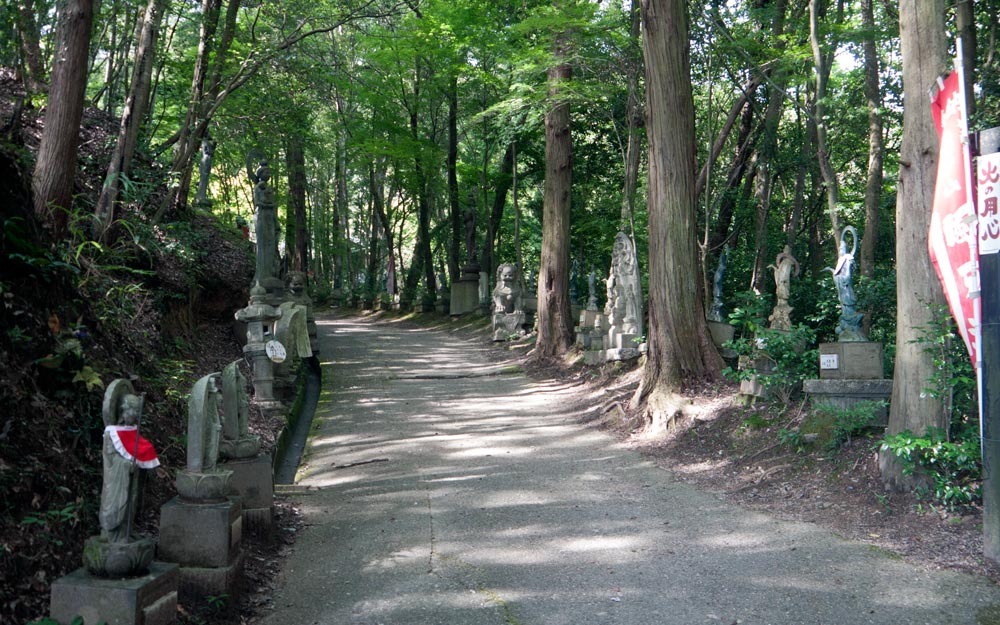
{"x": 955, "y": 467}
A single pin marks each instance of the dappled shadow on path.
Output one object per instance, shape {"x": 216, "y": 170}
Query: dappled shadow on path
{"x": 483, "y": 500}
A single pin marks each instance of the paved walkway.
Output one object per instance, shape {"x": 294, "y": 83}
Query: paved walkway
{"x": 436, "y": 494}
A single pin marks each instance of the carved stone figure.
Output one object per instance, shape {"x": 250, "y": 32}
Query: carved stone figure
{"x": 266, "y": 228}
{"x": 785, "y": 267}
{"x": 299, "y": 294}
{"x": 592, "y": 290}
{"x": 508, "y": 310}
{"x": 715, "y": 312}
{"x": 624, "y": 306}
{"x": 849, "y": 327}
{"x": 116, "y": 552}
{"x": 202, "y": 480}
{"x": 236, "y": 440}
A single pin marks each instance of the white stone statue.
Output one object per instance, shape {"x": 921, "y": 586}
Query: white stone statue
{"x": 785, "y": 267}
{"x": 624, "y": 305}
{"x": 508, "y": 310}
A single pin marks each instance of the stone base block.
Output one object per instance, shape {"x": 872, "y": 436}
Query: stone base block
{"x": 197, "y": 583}
{"x": 857, "y": 360}
{"x": 252, "y": 480}
{"x": 200, "y": 534}
{"x": 752, "y": 388}
{"x": 464, "y": 297}
{"x": 601, "y": 356}
{"x": 149, "y": 599}
{"x": 849, "y": 393}
{"x": 622, "y": 341}
{"x": 588, "y": 318}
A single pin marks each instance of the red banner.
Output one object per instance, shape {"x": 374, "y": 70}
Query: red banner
{"x": 953, "y": 237}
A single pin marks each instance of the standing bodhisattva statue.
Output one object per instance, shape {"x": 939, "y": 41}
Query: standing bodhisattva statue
{"x": 849, "y": 327}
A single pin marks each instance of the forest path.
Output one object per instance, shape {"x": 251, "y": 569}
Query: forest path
{"x": 440, "y": 488}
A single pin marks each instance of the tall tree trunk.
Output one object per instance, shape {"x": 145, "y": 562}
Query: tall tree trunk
{"x": 55, "y": 169}
{"x": 555, "y": 318}
{"x": 822, "y": 60}
{"x": 376, "y": 181}
{"x": 454, "y": 205}
{"x": 423, "y": 260}
{"x": 504, "y": 180}
{"x": 922, "y": 41}
{"x": 765, "y": 157}
{"x": 873, "y": 186}
{"x": 184, "y": 148}
{"x": 133, "y": 113}
{"x": 679, "y": 344}
{"x": 27, "y": 28}
{"x": 295, "y": 161}
{"x": 634, "y": 119}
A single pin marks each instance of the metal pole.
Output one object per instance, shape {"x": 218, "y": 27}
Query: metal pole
{"x": 989, "y": 378}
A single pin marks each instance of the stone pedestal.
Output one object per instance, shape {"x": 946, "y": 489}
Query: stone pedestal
{"x": 854, "y": 360}
{"x": 464, "y": 296}
{"x": 204, "y": 539}
{"x": 253, "y": 482}
{"x": 842, "y": 393}
{"x": 149, "y": 599}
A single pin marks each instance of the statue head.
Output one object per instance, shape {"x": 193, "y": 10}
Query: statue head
{"x": 296, "y": 282}
{"x": 263, "y": 172}
{"x": 506, "y": 274}
{"x": 129, "y": 409}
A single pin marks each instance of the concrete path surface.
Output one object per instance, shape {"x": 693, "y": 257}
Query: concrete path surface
{"x": 439, "y": 489}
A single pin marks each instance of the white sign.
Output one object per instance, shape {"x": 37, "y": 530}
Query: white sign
{"x": 828, "y": 361}
{"x": 275, "y": 351}
{"x": 988, "y": 177}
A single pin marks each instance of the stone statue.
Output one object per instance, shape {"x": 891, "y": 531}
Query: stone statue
{"x": 508, "y": 311}
{"x": 785, "y": 267}
{"x": 236, "y": 440}
{"x": 624, "y": 308}
{"x": 592, "y": 290}
{"x": 204, "y": 171}
{"x": 202, "y": 480}
{"x": 265, "y": 225}
{"x": 715, "y": 312}
{"x": 849, "y": 327}
{"x": 116, "y": 552}
{"x": 299, "y": 294}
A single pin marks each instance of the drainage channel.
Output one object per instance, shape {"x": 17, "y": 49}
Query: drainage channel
{"x": 292, "y": 442}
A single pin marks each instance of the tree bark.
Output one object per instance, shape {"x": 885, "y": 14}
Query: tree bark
{"x": 555, "y": 318}
{"x": 454, "y": 206}
{"x": 55, "y": 169}
{"x": 965, "y": 24}
{"x": 27, "y": 28}
{"x": 873, "y": 186}
{"x": 634, "y": 119}
{"x": 765, "y": 156}
{"x": 679, "y": 345}
{"x": 822, "y": 60}
{"x": 922, "y": 41}
{"x": 295, "y": 160}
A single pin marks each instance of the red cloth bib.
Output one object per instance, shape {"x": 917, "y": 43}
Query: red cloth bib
{"x": 123, "y": 437}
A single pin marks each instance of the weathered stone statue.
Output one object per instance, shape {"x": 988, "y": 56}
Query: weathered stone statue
{"x": 592, "y": 290}
{"x": 204, "y": 172}
{"x": 299, "y": 294}
{"x": 116, "y": 552}
{"x": 715, "y": 312}
{"x": 266, "y": 228}
{"x": 508, "y": 310}
{"x": 202, "y": 480}
{"x": 236, "y": 440}
{"x": 624, "y": 306}
{"x": 849, "y": 327}
{"x": 785, "y": 267}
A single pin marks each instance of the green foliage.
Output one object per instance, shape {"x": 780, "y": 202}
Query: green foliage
{"x": 835, "y": 427}
{"x": 779, "y": 360}
{"x": 955, "y": 468}
{"x": 954, "y": 379}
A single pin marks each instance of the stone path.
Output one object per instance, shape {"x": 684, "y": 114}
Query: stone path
{"x": 436, "y": 493}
